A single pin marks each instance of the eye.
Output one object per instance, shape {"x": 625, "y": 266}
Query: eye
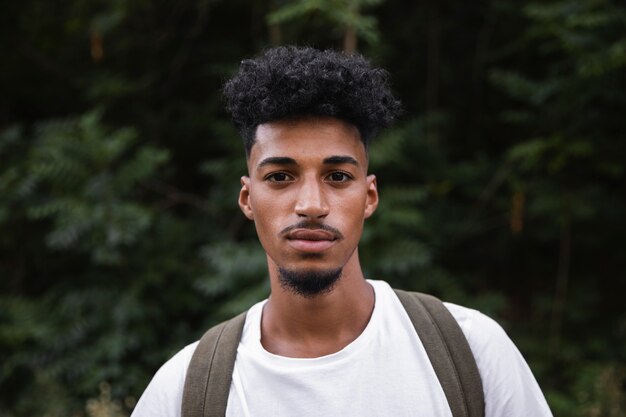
{"x": 338, "y": 176}
{"x": 279, "y": 177}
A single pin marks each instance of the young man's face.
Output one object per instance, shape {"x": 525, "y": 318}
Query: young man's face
{"x": 308, "y": 193}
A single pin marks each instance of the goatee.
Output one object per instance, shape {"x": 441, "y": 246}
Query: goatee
{"x": 308, "y": 283}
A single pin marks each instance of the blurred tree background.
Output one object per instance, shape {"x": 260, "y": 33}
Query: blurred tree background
{"x": 502, "y": 187}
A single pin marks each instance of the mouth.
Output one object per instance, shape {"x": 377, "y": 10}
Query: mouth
{"x": 311, "y": 240}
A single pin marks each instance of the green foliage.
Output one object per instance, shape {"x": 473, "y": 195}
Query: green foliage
{"x": 337, "y": 13}
{"x": 568, "y": 160}
{"x": 78, "y": 179}
{"x": 104, "y": 405}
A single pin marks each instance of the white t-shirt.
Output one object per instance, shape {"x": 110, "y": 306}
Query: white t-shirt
{"x": 383, "y": 372}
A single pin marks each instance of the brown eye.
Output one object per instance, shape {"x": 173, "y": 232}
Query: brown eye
{"x": 279, "y": 177}
{"x": 339, "y": 177}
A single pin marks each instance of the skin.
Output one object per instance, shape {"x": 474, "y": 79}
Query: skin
{"x": 311, "y": 170}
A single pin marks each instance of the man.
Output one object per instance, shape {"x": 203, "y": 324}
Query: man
{"x": 328, "y": 342}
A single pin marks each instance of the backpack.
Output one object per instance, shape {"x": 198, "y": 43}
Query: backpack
{"x": 209, "y": 374}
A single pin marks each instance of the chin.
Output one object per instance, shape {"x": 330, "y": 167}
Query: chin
{"x": 309, "y": 282}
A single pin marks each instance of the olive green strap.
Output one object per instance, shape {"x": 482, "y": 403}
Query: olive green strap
{"x": 210, "y": 370}
{"x": 448, "y": 351}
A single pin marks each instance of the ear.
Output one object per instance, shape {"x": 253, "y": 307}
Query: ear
{"x": 372, "y": 196}
{"x": 244, "y": 198}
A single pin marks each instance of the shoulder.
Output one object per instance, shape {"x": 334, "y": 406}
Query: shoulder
{"x": 508, "y": 383}
{"x": 510, "y": 389}
{"x": 163, "y": 396}
{"x": 490, "y": 344}
{"x": 480, "y": 330}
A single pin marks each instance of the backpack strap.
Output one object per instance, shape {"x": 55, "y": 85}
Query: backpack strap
{"x": 210, "y": 370}
{"x": 448, "y": 351}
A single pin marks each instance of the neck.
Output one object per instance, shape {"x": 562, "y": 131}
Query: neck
{"x": 297, "y": 326}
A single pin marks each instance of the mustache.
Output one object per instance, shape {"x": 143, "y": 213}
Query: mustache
{"x": 312, "y": 226}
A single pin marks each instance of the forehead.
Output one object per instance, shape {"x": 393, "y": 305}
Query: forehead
{"x": 310, "y": 139}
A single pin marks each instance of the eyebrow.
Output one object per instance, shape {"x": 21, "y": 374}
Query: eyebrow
{"x": 277, "y": 160}
{"x": 341, "y": 159}
{"x": 285, "y": 160}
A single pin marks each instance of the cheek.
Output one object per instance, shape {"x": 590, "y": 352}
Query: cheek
{"x": 266, "y": 214}
{"x": 352, "y": 208}
{"x": 357, "y": 201}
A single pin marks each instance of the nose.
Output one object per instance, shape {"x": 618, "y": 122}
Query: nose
{"x": 311, "y": 200}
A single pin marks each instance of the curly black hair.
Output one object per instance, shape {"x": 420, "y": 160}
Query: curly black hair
{"x": 289, "y": 82}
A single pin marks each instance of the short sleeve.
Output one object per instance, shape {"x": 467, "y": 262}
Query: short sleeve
{"x": 163, "y": 396}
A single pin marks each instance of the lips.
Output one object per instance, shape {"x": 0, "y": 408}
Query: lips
{"x": 311, "y": 234}
{"x": 311, "y": 240}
